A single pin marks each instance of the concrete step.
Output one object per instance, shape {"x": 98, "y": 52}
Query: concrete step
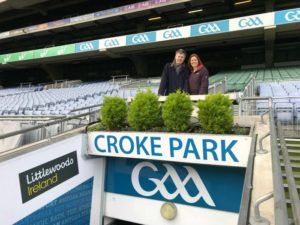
{"x": 293, "y": 151}
{"x": 297, "y": 186}
{"x": 294, "y": 165}
{"x": 292, "y": 158}
{"x": 296, "y": 176}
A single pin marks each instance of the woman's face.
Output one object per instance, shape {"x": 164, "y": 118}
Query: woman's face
{"x": 194, "y": 61}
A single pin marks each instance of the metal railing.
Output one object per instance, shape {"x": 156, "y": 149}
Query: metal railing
{"x": 218, "y": 87}
{"x": 248, "y": 105}
{"x": 246, "y": 199}
{"x": 280, "y": 209}
{"x": 249, "y": 90}
{"x": 119, "y": 79}
{"x": 45, "y": 130}
{"x": 25, "y": 85}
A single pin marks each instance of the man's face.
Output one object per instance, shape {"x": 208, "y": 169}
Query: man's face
{"x": 179, "y": 58}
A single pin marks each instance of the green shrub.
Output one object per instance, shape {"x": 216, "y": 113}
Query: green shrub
{"x": 215, "y": 114}
{"x": 176, "y": 111}
{"x": 144, "y": 111}
{"x": 113, "y": 113}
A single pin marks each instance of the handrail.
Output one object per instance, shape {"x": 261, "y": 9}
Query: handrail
{"x": 257, "y": 218}
{"x": 262, "y": 116}
{"x": 281, "y": 215}
{"x": 270, "y": 102}
{"x": 67, "y": 118}
{"x": 292, "y": 186}
{"x": 86, "y": 107}
{"x": 280, "y": 209}
{"x": 248, "y": 185}
{"x": 249, "y": 88}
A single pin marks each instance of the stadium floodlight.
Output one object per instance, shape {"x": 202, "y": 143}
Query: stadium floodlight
{"x": 195, "y": 11}
{"x": 242, "y": 2}
{"x": 154, "y": 18}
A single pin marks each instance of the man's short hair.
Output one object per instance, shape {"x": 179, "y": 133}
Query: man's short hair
{"x": 181, "y": 51}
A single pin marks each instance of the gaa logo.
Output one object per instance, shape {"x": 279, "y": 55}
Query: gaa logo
{"x": 171, "y": 34}
{"x": 180, "y": 184}
{"x": 111, "y": 43}
{"x": 140, "y": 38}
{"x": 250, "y": 22}
{"x": 293, "y": 16}
{"x": 209, "y": 28}
{"x": 87, "y": 46}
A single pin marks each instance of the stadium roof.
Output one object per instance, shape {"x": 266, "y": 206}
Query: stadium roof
{"x": 171, "y": 16}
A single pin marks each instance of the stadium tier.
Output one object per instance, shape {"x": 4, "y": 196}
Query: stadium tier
{"x": 237, "y": 80}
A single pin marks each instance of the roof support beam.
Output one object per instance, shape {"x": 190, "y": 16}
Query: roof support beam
{"x": 269, "y": 36}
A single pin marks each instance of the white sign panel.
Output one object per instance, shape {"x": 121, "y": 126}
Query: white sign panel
{"x": 250, "y": 22}
{"x": 113, "y": 42}
{"x": 190, "y": 215}
{"x": 173, "y": 33}
{"x": 186, "y": 148}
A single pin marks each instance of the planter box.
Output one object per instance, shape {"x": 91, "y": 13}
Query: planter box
{"x": 203, "y": 175}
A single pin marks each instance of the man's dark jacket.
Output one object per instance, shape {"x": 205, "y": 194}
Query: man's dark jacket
{"x": 171, "y": 81}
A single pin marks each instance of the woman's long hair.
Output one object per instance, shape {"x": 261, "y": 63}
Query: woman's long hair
{"x": 198, "y": 58}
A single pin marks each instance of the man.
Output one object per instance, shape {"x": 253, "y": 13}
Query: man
{"x": 175, "y": 75}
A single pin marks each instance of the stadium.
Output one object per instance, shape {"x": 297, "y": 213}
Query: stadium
{"x": 60, "y": 60}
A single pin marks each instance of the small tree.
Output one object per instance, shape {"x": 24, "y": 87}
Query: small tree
{"x": 215, "y": 114}
{"x": 176, "y": 111}
{"x": 113, "y": 113}
{"x": 144, "y": 111}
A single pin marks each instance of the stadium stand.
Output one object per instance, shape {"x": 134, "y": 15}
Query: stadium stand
{"x": 61, "y": 101}
{"x": 56, "y": 101}
{"x": 237, "y": 80}
{"x": 252, "y": 45}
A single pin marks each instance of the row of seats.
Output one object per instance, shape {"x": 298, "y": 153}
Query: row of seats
{"x": 237, "y": 80}
{"x": 56, "y": 101}
{"x": 15, "y": 91}
{"x": 62, "y": 101}
{"x": 286, "y": 100}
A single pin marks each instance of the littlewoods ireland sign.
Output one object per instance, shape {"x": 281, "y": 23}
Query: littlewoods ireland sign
{"x": 42, "y": 178}
{"x": 188, "y": 148}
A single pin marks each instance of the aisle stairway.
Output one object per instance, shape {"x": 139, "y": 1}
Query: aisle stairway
{"x": 293, "y": 153}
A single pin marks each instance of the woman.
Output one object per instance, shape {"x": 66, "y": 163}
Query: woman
{"x": 198, "y": 80}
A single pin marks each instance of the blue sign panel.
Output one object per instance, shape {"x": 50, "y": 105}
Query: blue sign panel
{"x": 141, "y": 38}
{"x": 74, "y": 207}
{"x": 213, "y": 187}
{"x": 210, "y": 28}
{"x": 287, "y": 16}
{"x": 87, "y": 46}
